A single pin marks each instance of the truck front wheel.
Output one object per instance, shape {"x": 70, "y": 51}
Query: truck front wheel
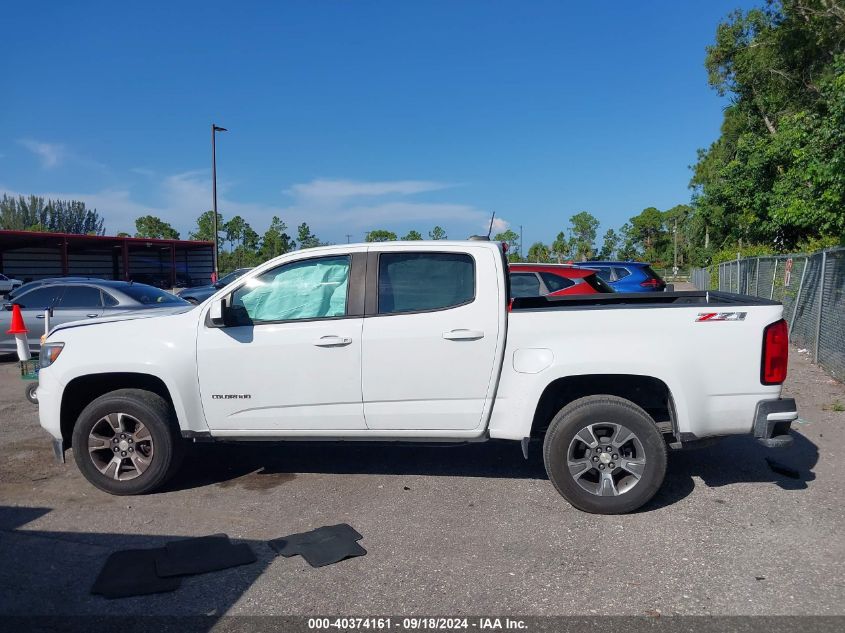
{"x": 125, "y": 442}
{"x": 605, "y": 455}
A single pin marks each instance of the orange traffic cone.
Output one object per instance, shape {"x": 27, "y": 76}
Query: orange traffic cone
{"x": 19, "y": 330}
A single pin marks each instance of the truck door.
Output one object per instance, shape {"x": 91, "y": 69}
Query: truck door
{"x": 430, "y": 338}
{"x": 291, "y": 360}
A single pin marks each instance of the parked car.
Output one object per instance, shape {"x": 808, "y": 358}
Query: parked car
{"x": 31, "y": 285}
{"x": 414, "y": 341}
{"x": 8, "y": 284}
{"x": 201, "y": 293}
{"x": 539, "y": 280}
{"x": 628, "y": 276}
{"x": 80, "y": 300}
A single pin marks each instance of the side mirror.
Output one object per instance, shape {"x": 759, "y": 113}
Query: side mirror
{"x": 217, "y": 312}
{"x": 7, "y": 307}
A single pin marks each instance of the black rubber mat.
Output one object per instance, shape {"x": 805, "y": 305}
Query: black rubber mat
{"x": 132, "y": 572}
{"x": 323, "y": 546}
{"x": 201, "y": 555}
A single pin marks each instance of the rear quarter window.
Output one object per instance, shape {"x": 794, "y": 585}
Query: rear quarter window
{"x": 556, "y": 282}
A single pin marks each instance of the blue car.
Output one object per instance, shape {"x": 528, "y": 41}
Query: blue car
{"x": 628, "y": 276}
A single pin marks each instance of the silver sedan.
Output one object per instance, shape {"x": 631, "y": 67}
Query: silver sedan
{"x": 80, "y": 300}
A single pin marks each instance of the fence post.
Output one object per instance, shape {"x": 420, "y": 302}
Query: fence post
{"x": 798, "y": 296}
{"x": 737, "y": 272}
{"x": 774, "y": 274}
{"x": 821, "y": 300}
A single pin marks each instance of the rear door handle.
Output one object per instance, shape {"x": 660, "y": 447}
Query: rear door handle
{"x": 463, "y": 335}
{"x": 332, "y": 341}
{"x": 92, "y": 316}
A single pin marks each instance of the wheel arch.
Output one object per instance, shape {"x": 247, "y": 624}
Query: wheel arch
{"x": 83, "y": 390}
{"x": 651, "y": 394}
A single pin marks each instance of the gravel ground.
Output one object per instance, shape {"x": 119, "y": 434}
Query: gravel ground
{"x": 467, "y": 530}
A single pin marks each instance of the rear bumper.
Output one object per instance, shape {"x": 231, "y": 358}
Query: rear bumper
{"x": 772, "y": 421}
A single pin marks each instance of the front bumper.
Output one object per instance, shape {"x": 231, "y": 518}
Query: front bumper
{"x": 772, "y": 421}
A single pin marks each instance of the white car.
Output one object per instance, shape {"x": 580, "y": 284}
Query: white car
{"x": 8, "y": 284}
{"x": 419, "y": 341}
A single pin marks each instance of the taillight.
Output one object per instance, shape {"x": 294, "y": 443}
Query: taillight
{"x": 775, "y": 353}
{"x": 651, "y": 283}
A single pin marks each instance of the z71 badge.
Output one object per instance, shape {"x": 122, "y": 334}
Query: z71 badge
{"x": 721, "y": 316}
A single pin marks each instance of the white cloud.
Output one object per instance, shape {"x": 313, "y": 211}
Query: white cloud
{"x": 500, "y": 225}
{"x": 332, "y": 189}
{"x": 332, "y": 207}
{"x": 50, "y": 154}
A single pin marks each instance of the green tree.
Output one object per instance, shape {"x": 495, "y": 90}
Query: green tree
{"x": 562, "y": 248}
{"x": 234, "y": 231}
{"x": 155, "y": 228}
{"x": 610, "y": 243}
{"x": 205, "y": 227}
{"x": 34, "y": 213}
{"x": 584, "y": 226}
{"x": 774, "y": 175}
{"x": 539, "y": 253}
{"x": 412, "y": 236}
{"x": 380, "y": 235}
{"x": 305, "y": 238}
{"x": 437, "y": 233}
{"x": 509, "y": 237}
{"x": 275, "y": 241}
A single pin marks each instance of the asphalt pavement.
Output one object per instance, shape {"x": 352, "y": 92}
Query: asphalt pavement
{"x": 465, "y": 530}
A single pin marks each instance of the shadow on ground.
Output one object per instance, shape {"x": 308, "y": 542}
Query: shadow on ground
{"x": 266, "y": 466}
{"x": 51, "y": 573}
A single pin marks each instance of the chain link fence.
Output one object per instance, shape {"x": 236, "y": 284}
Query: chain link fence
{"x": 811, "y": 288}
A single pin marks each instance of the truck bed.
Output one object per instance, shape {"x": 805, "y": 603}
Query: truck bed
{"x": 639, "y": 300}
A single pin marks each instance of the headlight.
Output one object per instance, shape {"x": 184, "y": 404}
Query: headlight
{"x": 49, "y": 353}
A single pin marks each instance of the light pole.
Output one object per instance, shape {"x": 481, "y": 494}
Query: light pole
{"x": 214, "y": 130}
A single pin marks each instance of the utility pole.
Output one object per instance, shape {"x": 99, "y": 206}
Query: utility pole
{"x": 214, "y": 130}
{"x": 348, "y": 236}
{"x": 675, "y": 233}
{"x": 520, "y": 241}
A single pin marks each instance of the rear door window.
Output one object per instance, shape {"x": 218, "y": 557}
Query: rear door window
{"x": 525, "y": 285}
{"x": 415, "y": 282}
{"x": 81, "y": 297}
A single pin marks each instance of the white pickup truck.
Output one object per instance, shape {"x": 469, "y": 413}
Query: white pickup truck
{"x": 419, "y": 341}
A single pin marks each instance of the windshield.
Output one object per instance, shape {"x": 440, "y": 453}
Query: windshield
{"x": 148, "y": 295}
{"x": 225, "y": 281}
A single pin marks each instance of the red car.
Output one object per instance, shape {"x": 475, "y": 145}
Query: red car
{"x": 554, "y": 280}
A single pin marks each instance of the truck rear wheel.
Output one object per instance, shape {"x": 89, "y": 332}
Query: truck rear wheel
{"x": 125, "y": 442}
{"x": 605, "y": 455}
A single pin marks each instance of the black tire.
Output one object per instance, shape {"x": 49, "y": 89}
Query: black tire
{"x": 153, "y": 412}
{"x": 592, "y": 415}
{"x": 31, "y": 393}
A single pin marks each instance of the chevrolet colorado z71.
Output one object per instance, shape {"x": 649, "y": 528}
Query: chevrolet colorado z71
{"x": 419, "y": 341}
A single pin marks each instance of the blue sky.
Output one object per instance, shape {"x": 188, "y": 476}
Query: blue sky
{"x": 359, "y": 115}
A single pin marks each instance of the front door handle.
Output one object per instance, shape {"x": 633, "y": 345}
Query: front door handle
{"x": 463, "y": 335}
{"x": 92, "y": 316}
{"x": 39, "y": 316}
{"x": 332, "y": 341}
